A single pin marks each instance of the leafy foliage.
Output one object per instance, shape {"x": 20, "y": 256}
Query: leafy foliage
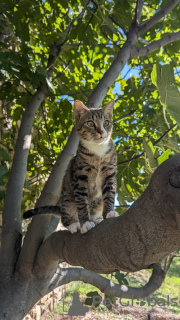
{"x": 142, "y": 124}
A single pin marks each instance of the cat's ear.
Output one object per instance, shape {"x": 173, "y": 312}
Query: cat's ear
{"x": 108, "y": 108}
{"x": 79, "y": 109}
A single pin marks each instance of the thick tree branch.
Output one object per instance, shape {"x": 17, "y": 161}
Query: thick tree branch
{"x": 153, "y": 221}
{"x": 143, "y": 51}
{"x": 11, "y": 214}
{"x": 52, "y": 190}
{"x": 49, "y": 196}
{"x": 105, "y": 285}
{"x": 138, "y": 11}
{"x": 158, "y": 16}
{"x": 113, "y": 72}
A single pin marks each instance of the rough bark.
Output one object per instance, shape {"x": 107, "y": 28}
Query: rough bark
{"x": 141, "y": 237}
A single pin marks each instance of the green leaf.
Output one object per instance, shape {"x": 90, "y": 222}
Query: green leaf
{"x": 2, "y": 195}
{"x": 3, "y": 172}
{"x": 41, "y": 70}
{"x": 150, "y": 151}
{"x": 89, "y": 300}
{"x": 27, "y": 185}
{"x": 50, "y": 85}
{"x": 4, "y": 155}
{"x": 120, "y": 277}
{"x": 163, "y": 79}
{"x": 164, "y": 156}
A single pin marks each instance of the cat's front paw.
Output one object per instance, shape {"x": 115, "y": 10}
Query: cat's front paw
{"x": 97, "y": 221}
{"x": 74, "y": 227}
{"x": 112, "y": 214}
{"x": 88, "y": 225}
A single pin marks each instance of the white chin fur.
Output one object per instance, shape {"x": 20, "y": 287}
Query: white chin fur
{"x": 100, "y": 150}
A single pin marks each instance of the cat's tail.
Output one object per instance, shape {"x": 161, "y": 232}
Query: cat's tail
{"x": 54, "y": 210}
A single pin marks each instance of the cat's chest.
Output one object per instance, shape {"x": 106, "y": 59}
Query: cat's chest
{"x": 95, "y": 183}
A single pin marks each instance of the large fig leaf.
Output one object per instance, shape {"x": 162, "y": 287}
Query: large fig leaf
{"x": 163, "y": 79}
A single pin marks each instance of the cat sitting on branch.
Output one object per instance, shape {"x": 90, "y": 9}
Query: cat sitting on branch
{"x": 89, "y": 184}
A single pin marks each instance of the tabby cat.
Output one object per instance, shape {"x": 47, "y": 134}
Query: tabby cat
{"x": 89, "y": 184}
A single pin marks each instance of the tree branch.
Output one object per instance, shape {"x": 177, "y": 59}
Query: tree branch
{"x": 153, "y": 235}
{"x": 49, "y": 196}
{"x": 124, "y": 116}
{"x": 138, "y": 11}
{"x": 158, "y": 16}
{"x": 11, "y": 214}
{"x": 117, "y": 23}
{"x": 131, "y": 159}
{"x": 105, "y": 285}
{"x": 113, "y": 72}
{"x": 143, "y": 51}
{"x": 164, "y": 134}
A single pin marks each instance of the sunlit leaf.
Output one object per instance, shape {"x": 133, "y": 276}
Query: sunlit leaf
{"x": 163, "y": 78}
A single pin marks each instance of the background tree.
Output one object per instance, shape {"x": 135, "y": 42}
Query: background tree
{"x": 53, "y": 53}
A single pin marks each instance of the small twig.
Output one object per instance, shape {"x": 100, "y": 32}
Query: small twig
{"x": 127, "y": 73}
{"x": 117, "y": 23}
{"x": 164, "y": 134}
{"x": 131, "y": 159}
{"x": 70, "y": 93}
{"x": 124, "y": 116}
{"x": 168, "y": 260}
{"x": 155, "y": 143}
{"x": 92, "y": 16}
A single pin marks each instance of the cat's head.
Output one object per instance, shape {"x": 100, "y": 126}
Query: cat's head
{"x": 94, "y": 124}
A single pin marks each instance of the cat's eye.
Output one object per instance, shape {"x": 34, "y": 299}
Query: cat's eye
{"x": 106, "y": 122}
{"x": 91, "y": 124}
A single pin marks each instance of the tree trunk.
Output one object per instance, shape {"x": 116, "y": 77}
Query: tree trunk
{"x": 17, "y": 296}
{"x": 140, "y": 238}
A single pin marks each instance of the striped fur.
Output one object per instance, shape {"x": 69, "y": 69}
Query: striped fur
{"x": 89, "y": 185}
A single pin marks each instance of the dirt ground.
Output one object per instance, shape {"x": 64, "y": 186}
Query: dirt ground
{"x": 120, "y": 313}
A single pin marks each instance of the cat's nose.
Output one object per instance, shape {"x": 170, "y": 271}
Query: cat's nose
{"x": 101, "y": 132}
